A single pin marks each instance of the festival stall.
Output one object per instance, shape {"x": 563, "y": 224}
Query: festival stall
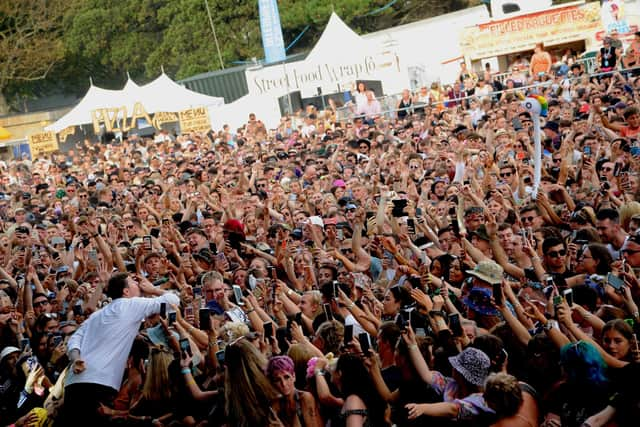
{"x": 339, "y": 59}
{"x": 135, "y": 107}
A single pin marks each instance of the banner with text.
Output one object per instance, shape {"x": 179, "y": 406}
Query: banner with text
{"x": 44, "y": 142}
{"x": 272, "y": 40}
{"x": 194, "y": 119}
{"x": 550, "y": 27}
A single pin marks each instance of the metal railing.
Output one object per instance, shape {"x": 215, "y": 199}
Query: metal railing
{"x": 589, "y": 65}
{"x": 388, "y": 102}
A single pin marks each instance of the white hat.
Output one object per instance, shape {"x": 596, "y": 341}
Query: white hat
{"x": 7, "y": 351}
{"x": 316, "y": 220}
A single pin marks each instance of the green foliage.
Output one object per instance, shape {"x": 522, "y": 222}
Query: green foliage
{"x": 106, "y": 39}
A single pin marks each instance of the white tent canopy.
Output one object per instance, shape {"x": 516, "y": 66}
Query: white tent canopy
{"x": 162, "y": 94}
{"x": 339, "y": 59}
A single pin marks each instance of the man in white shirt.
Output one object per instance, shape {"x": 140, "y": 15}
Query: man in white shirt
{"x": 99, "y": 349}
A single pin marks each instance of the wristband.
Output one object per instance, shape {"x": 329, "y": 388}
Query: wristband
{"x": 250, "y": 311}
{"x": 320, "y": 372}
{"x": 185, "y": 371}
{"x": 413, "y": 346}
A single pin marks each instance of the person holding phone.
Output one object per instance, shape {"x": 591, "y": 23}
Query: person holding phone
{"x": 98, "y": 350}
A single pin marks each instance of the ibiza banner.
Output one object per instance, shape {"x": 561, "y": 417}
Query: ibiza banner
{"x": 271, "y": 31}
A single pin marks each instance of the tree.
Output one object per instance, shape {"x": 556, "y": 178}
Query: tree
{"x": 30, "y": 41}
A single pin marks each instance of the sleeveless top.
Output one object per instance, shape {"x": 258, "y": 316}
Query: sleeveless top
{"x": 539, "y": 64}
{"x": 608, "y": 57}
{"x": 404, "y": 104}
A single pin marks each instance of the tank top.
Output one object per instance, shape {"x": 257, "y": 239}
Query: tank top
{"x": 608, "y": 57}
{"x": 539, "y": 64}
{"x": 404, "y": 104}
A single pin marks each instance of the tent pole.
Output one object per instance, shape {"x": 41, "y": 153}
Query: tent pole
{"x": 215, "y": 37}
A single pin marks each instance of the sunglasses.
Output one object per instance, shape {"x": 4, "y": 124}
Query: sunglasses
{"x": 40, "y": 303}
{"x": 528, "y": 218}
{"x": 607, "y": 169}
{"x": 556, "y": 254}
{"x": 629, "y": 251}
{"x": 506, "y": 174}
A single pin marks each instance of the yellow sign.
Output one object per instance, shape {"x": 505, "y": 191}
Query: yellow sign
{"x": 550, "y": 27}
{"x": 66, "y": 132}
{"x": 195, "y": 119}
{"x": 44, "y": 142}
{"x": 162, "y": 117}
{"x": 116, "y": 119}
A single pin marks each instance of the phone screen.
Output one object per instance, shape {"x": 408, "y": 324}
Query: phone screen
{"x": 237, "y": 293}
{"x": 348, "y": 334}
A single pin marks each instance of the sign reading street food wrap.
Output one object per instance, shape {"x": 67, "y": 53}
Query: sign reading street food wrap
{"x": 550, "y": 27}
{"x": 195, "y": 119}
{"x": 44, "y": 142}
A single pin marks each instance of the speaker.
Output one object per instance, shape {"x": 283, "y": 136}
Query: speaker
{"x": 290, "y": 103}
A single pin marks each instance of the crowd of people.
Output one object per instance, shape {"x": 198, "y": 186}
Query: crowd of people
{"x": 376, "y": 271}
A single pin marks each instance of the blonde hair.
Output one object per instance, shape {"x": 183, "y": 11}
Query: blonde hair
{"x": 627, "y": 211}
{"x": 234, "y": 330}
{"x": 248, "y": 391}
{"x": 157, "y": 385}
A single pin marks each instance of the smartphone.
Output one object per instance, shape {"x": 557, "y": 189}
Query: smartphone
{"x": 335, "y": 289}
{"x": 146, "y": 242}
{"x": 268, "y": 329}
{"x": 587, "y": 150}
{"x": 547, "y": 291}
{"x": 77, "y": 310}
{"x": 411, "y": 226}
{"x": 616, "y": 282}
{"x": 24, "y": 343}
{"x": 348, "y": 334}
{"x": 220, "y": 357}
{"x": 327, "y": 311}
{"x": 93, "y": 256}
{"x": 197, "y": 291}
{"x": 205, "y": 319}
{"x": 188, "y": 311}
{"x": 237, "y": 293}
{"x": 185, "y": 347}
{"x": 163, "y": 310}
{"x": 497, "y": 293}
{"x": 221, "y": 257}
{"x": 172, "y": 317}
{"x": 340, "y": 234}
{"x": 568, "y": 296}
{"x": 298, "y": 318}
{"x": 557, "y": 300}
{"x": 455, "y": 325}
{"x": 365, "y": 343}
{"x": 635, "y": 151}
{"x": 616, "y": 169}
{"x": 57, "y": 339}
{"x": 155, "y": 232}
{"x": 273, "y": 273}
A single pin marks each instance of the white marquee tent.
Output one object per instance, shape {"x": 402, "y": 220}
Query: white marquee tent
{"x": 161, "y": 95}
